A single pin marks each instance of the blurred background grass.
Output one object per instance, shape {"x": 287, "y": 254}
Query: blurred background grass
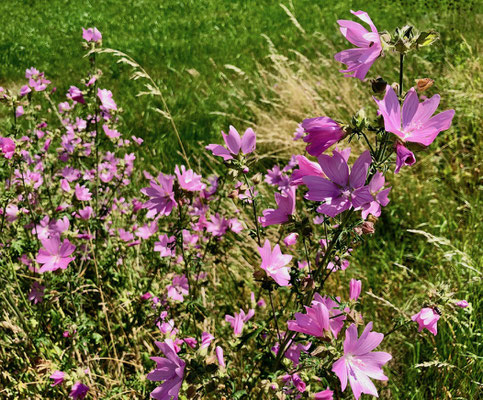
{"x": 248, "y": 62}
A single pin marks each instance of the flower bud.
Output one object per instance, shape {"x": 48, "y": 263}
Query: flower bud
{"x": 368, "y": 227}
{"x": 424, "y": 84}
{"x": 257, "y": 178}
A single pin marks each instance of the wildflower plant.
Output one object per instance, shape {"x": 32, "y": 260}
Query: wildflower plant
{"x": 189, "y": 280}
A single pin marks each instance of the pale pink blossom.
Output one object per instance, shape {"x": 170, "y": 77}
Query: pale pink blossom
{"x": 314, "y": 323}
{"x": 107, "y": 101}
{"x": 238, "y": 320}
{"x": 354, "y": 289}
{"x": 286, "y": 207}
{"x": 326, "y": 394}
{"x": 54, "y": 255}
{"x": 91, "y": 35}
{"x": 359, "y": 363}
{"x": 234, "y": 144}
{"x": 274, "y": 263}
{"x": 58, "y": 378}
{"x": 427, "y": 318}
{"x": 188, "y": 179}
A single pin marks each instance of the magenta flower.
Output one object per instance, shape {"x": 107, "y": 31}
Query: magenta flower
{"x": 306, "y": 168}
{"x": 286, "y": 207}
{"x": 54, "y": 255}
{"x": 294, "y": 350}
{"x": 25, "y": 89}
{"x": 274, "y": 263}
{"x": 79, "y": 391}
{"x": 220, "y": 357}
{"x": 291, "y": 239}
{"x": 91, "y": 35}
{"x": 343, "y": 190}
{"x": 189, "y": 180}
{"x": 359, "y": 363}
{"x": 82, "y": 193}
{"x": 36, "y": 293}
{"x": 336, "y": 317}
{"x": 379, "y": 196}
{"x": 416, "y": 123}
{"x": 19, "y": 111}
{"x": 161, "y": 196}
{"x": 178, "y": 288}
{"x": 169, "y": 369}
{"x": 238, "y": 320}
{"x": 58, "y": 377}
{"x": 110, "y": 133}
{"x": 217, "y": 225}
{"x": 462, "y": 304}
{"x": 427, "y": 318}
{"x": 206, "y": 339}
{"x": 403, "y": 157}
{"x": 368, "y": 46}
{"x": 234, "y": 144}
{"x": 354, "y": 289}
{"x": 315, "y": 322}
{"x": 326, "y": 394}
{"x": 165, "y": 246}
{"x": 75, "y": 94}
{"x": 107, "y": 101}
{"x": 7, "y": 146}
{"x": 322, "y": 132}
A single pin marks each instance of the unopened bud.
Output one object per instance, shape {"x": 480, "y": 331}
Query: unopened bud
{"x": 424, "y": 84}
{"x": 233, "y": 194}
{"x": 245, "y": 170}
{"x": 378, "y": 85}
{"x": 259, "y": 274}
{"x": 257, "y": 178}
{"x": 367, "y": 227}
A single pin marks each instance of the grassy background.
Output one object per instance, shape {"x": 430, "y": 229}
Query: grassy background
{"x": 188, "y": 45}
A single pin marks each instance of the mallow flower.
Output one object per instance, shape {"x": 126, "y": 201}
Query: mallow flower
{"x": 354, "y": 289}
{"x": 315, "y": 322}
{"x": 54, "y": 255}
{"x": 343, "y": 190}
{"x": 379, "y": 196}
{"x": 415, "y": 122}
{"x": 188, "y": 179}
{"x": 91, "y": 35}
{"x": 7, "y": 147}
{"x": 238, "y": 320}
{"x": 105, "y": 96}
{"x": 359, "y": 363}
{"x": 234, "y": 144}
{"x": 322, "y": 132}
{"x": 403, "y": 157}
{"x": 326, "y": 394}
{"x": 161, "y": 196}
{"x": 368, "y": 46}
{"x": 79, "y": 391}
{"x": 274, "y": 263}
{"x": 57, "y": 377}
{"x": 286, "y": 207}
{"x": 427, "y": 318}
{"x": 169, "y": 369}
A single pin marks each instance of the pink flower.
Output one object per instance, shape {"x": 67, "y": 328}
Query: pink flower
{"x": 79, "y": 391}
{"x": 220, "y": 357}
{"x": 147, "y": 230}
{"x": 354, "y": 289}
{"x": 188, "y": 180}
{"x": 343, "y": 190}
{"x": 336, "y": 317}
{"x": 403, "y": 157}
{"x": 291, "y": 239}
{"x": 379, "y": 196}
{"x": 323, "y": 132}
{"x": 58, "y": 377}
{"x": 234, "y": 144}
{"x": 191, "y": 342}
{"x": 7, "y": 146}
{"x": 178, "y": 288}
{"x": 91, "y": 35}
{"x": 169, "y": 369}
{"x": 462, "y": 304}
{"x": 238, "y": 320}
{"x": 359, "y": 363}
{"x": 76, "y": 95}
{"x": 315, "y": 322}
{"x": 286, "y": 207}
{"x": 19, "y": 111}
{"x": 294, "y": 350}
{"x": 217, "y": 225}
{"x": 124, "y": 235}
{"x": 36, "y": 293}
{"x": 326, "y": 394}
{"x": 416, "y": 123}
{"x": 82, "y": 193}
{"x": 368, "y": 46}
{"x": 299, "y": 132}
{"x": 25, "y": 89}
{"x": 106, "y": 99}
{"x": 54, "y": 255}
{"x": 206, "y": 339}
{"x": 274, "y": 263}
{"x": 161, "y": 195}
{"x": 165, "y": 246}
{"x": 111, "y": 133}
{"x": 427, "y": 318}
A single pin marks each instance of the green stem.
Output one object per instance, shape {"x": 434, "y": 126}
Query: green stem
{"x": 401, "y": 73}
